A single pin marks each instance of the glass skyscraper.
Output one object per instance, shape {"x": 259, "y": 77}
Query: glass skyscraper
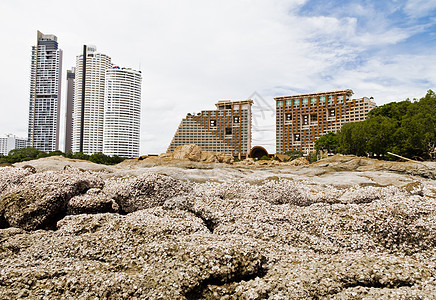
{"x": 45, "y": 93}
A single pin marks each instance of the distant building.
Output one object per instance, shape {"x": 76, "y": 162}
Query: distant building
{"x": 88, "y": 112}
{"x": 301, "y": 119}
{"x": 10, "y": 142}
{"x": 122, "y": 112}
{"x": 226, "y": 129}
{"x": 71, "y": 75}
{"x": 45, "y": 93}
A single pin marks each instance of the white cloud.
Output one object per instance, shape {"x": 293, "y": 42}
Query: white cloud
{"x": 420, "y": 8}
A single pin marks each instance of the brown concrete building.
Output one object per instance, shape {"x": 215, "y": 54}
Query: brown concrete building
{"x": 301, "y": 119}
{"x": 226, "y": 129}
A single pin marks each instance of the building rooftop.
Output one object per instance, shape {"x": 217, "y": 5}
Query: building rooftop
{"x": 346, "y": 91}
{"x": 223, "y": 102}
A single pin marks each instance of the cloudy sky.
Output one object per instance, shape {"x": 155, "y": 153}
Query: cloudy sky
{"x": 195, "y": 52}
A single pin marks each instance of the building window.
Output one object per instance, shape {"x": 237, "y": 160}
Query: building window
{"x": 279, "y": 103}
{"x": 288, "y": 117}
{"x": 305, "y": 120}
{"x": 296, "y": 102}
{"x": 305, "y": 101}
{"x": 297, "y": 137}
{"x": 331, "y": 113}
{"x": 212, "y": 123}
{"x": 228, "y": 131}
{"x": 313, "y": 118}
{"x": 236, "y": 119}
{"x": 313, "y": 100}
{"x": 322, "y": 98}
{"x": 288, "y": 102}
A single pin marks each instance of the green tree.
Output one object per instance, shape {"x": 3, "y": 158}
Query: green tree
{"x": 80, "y": 155}
{"x": 24, "y": 154}
{"x": 407, "y": 128}
{"x": 328, "y": 142}
{"x": 293, "y": 154}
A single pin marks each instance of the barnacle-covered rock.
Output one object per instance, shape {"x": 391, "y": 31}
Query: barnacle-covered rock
{"x": 146, "y": 191}
{"x": 40, "y": 200}
{"x": 234, "y": 233}
{"x": 93, "y": 202}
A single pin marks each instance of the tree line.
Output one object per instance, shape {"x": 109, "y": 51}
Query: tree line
{"x": 30, "y": 153}
{"x": 406, "y": 128}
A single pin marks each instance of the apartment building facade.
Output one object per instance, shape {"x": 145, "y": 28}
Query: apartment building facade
{"x": 71, "y": 76}
{"x": 10, "y": 142}
{"x": 301, "y": 119}
{"x": 88, "y": 111}
{"x": 45, "y": 93}
{"x": 122, "y": 112}
{"x": 226, "y": 129}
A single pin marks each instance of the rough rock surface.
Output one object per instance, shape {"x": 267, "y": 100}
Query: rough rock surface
{"x": 39, "y": 200}
{"x": 194, "y": 153}
{"x": 146, "y": 191}
{"x": 274, "y": 238}
{"x": 93, "y": 202}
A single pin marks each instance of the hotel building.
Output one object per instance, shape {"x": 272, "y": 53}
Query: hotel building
{"x": 122, "y": 112}
{"x": 226, "y": 129}
{"x": 88, "y": 112}
{"x": 45, "y": 93}
{"x": 301, "y": 119}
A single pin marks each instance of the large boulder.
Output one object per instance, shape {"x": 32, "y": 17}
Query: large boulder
{"x": 301, "y": 161}
{"x": 191, "y": 152}
{"x": 146, "y": 191}
{"x": 40, "y": 200}
{"x": 93, "y": 202}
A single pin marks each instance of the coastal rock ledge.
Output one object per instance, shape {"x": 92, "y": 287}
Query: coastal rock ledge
{"x": 78, "y": 234}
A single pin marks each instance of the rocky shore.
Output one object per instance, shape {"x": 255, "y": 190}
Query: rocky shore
{"x": 159, "y": 228}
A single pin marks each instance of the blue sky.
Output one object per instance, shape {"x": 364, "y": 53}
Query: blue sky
{"x": 193, "y": 53}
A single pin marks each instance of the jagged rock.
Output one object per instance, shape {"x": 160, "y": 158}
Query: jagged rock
{"x": 209, "y": 156}
{"x": 93, "y": 202}
{"x": 147, "y": 254}
{"x": 40, "y": 199}
{"x": 10, "y": 176}
{"x": 301, "y": 161}
{"x": 194, "y": 153}
{"x": 146, "y": 191}
{"x": 248, "y": 235}
{"x": 191, "y": 152}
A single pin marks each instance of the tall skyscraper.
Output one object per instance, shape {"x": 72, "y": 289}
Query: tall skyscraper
{"x": 69, "y": 109}
{"x": 301, "y": 119}
{"x": 226, "y": 129}
{"x": 45, "y": 93}
{"x": 122, "y": 112}
{"x": 88, "y": 115}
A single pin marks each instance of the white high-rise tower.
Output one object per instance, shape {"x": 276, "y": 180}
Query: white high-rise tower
{"x": 88, "y": 115}
{"x": 45, "y": 93}
{"x": 122, "y": 112}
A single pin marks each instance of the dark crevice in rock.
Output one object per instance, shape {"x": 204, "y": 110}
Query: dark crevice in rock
{"x": 3, "y": 222}
{"x": 208, "y": 222}
{"x": 378, "y": 285}
{"x": 201, "y": 290}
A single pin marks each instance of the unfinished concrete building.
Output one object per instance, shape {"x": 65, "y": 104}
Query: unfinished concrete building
{"x": 301, "y": 119}
{"x": 226, "y": 129}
